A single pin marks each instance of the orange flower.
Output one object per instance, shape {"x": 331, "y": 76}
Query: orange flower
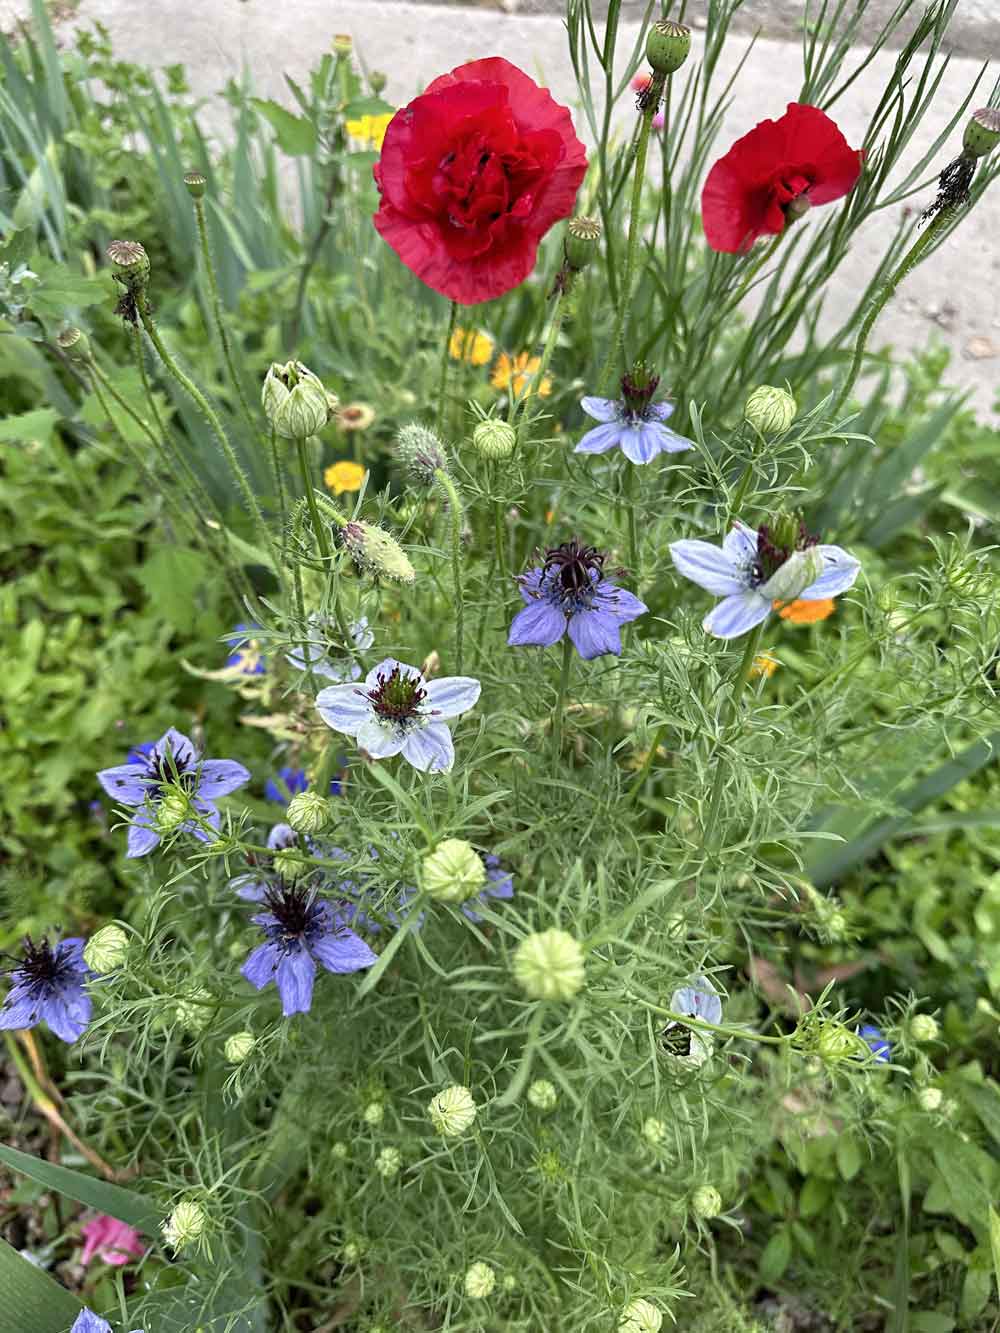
{"x": 805, "y": 613}
{"x": 518, "y": 369}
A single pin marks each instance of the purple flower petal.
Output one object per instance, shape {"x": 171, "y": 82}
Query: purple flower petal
{"x": 249, "y": 888}
{"x": 67, "y": 1012}
{"x": 219, "y": 777}
{"x": 671, "y": 442}
{"x": 539, "y": 624}
{"x": 88, "y": 1322}
{"x": 260, "y": 967}
{"x": 342, "y": 951}
{"x": 294, "y": 979}
{"x": 19, "y": 1010}
{"x": 127, "y": 783}
{"x": 710, "y": 568}
{"x": 601, "y": 409}
{"x": 452, "y": 696}
{"x": 660, "y": 411}
{"x": 595, "y": 633}
{"x": 431, "y": 749}
{"x": 733, "y": 616}
{"x": 142, "y": 838}
{"x": 600, "y": 439}
{"x": 209, "y": 813}
{"x": 529, "y": 583}
{"x": 618, "y": 602}
{"x": 174, "y": 742}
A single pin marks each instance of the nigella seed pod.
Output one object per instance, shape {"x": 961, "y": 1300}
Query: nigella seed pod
{"x": 130, "y": 263}
{"x": 453, "y": 872}
{"x": 581, "y": 242}
{"x": 982, "y": 134}
{"x": 421, "y": 453}
{"x": 668, "y": 45}
{"x": 376, "y": 552}
{"x": 770, "y": 410}
{"x": 74, "y": 343}
{"x": 494, "y": 439}
{"x": 195, "y": 183}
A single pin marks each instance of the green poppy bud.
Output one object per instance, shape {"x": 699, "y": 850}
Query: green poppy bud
{"x": 640, "y": 1316}
{"x": 480, "y": 1280}
{"x": 453, "y": 1111}
{"x": 494, "y": 439}
{"x": 106, "y": 949}
{"x": 770, "y": 410}
{"x": 581, "y": 242}
{"x": 195, "y": 183}
{"x": 453, "y": 872}
{"x": 549, "y": 965}
{"x": 668, "y": 45}
{"x": 421, "y": 453}
{"x": 706, "y": 1202}
{"x": 982, "y": 133}
{"x": 308, "y": 812}
{"x": 294, "y": 401}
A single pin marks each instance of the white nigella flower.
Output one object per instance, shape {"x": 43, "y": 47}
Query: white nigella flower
{"x": 397, "y": 711}
{"x": 314, "y": 650}
{"x": 752, "y": 571}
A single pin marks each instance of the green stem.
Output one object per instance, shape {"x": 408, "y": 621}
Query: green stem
{"x": 558, "y": 315}
{"x": 729, "y": 712}
{"x": 647, "y": 764}
{"x": 320, "y": 531}
{"x": 500, "y": 540}
{"x": 557, "y": 716}
{"x": 628, "y": 489}
{"x": 881, "y": 298}
{"x": 211, "y": 416}
{"x": 279, "y": 481}
{"x": 456, "y": 513}
{"x": 213, "y": 287}
{"x": 445, "y": 362}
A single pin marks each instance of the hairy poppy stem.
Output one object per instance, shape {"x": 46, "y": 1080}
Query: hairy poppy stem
{"x": 445, "y": 360}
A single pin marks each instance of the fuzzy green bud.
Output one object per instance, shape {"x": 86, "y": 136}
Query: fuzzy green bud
{"x": 706, "y": 1202}
{"x": 453, "y": 871}
{"x": 185, "y": 1225}
{"x": 308, "y": 812}
{"x": 494, "y": 439}
{"x": 922, "y": 1027}
{"x": 374, "y": 1114}
{"x": 130, "y": 264}
{"x": 74, "y": 342}
{"x": 640, "y": 1316}
{"x": 549, "y": 965}
{"x": 294, "y": 400}
{"x": 353, "y": 1251}
{"x": 581, "y": 242}
{"x": 376, "y": 552}
{"x": 238, "y": 1047}
{"x": 770, "y": 410}
{"x": 668, "y": 45}
{"x": 655, "y": 1131}
{"x": 480, "y": 1280}
{"x": 542, "y": 1095}
{"x": 173, "y": 808}
{"x": 388, "y": 1162}
{"x": 421, "y": 453}
{"x": 930, "y": 1099}
{"x": 836, "y": 1042}
{"x": 194, "y": 1010}
{"x": 195, "y": 183}
{"x": 982, "y": 133}
{"x": 106, "y": 949}
{"x": 452, "y": 1111}
{"x": 289, "y": 863}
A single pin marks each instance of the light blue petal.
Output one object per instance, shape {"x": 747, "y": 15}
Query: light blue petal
{"x": 740, "y": 544}
{"x": 735, "y": 615}
{"x": 599, "y": 440}
{"x": 294, "y": 979}
{"x": 671, "y": 442}
{"x": 431, "y": 750}
{"x": 539, "y": 624}
{"x": 601, "y": 409}
{"x": 451, "y": 696}
{"x": 343, "y": 951}
{"x": 660, "y": 411}
{"x": 344, "y": 708}
{"x": 638, "y": 444}
{"x": 839, "y": 573}
{"x": 708, "y": 566}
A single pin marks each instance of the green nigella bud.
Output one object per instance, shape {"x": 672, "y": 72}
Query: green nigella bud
{"x": 549, "y": 965}
{"x": 377, "y": 81}
{"x": 706, "y": 1202}
{"x": 421, "y": 453}
{"x": 792, "y": 578}
{"x": 195, "y": 183}
{"x": 106, "y": 949}
{"x": 130, "y": 263}
{"x": 173, "y": 808}
{"x": 542, "y": 1095}
{"x": 494, "y": 439}
{"x": 238, "y": 1047}
{"x": 668, "y": 45}
{"x": 583, "y": 236}
{"x": 74, "y": 343}
{"x": 480, "y": 1279}
{"x": 376, "y": 552}
{"x": 930, "y": 1099}
{"x": 640, "y": 1316}
{"x": 655, "y": 1131}
{"x": 289, "y": 864}
{"x": 294, "y": 401}
{"x": 922, "y": 1026}
{"x": 308, "y": 812}
{"x": 453, "y": 872}
{"x": 982, "y": 134}
{"x": 388, "y": 1162}
{"x": 836, "y": 1042}
{"x": 453, "y": 1111}
{"x": 185, "y": 1225}
{"x": 770, "y": 410}
{"x": 195, "y": 1010}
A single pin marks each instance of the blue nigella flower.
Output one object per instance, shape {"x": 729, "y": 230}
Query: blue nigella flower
{"x": 499, "y": 884}
{"x": 173, "y": 762}
{"x": 633, "y": 422}
{"x": 301, "y": 930}
{"x": 880, "y": 1048}
{"x": 697, "y": 999}
{"x": 247, "y": 656}
{"x": 47, "y": 986}
{"x": 252, "y": 885}
{"x": 779, "y": 562}
{"x": 88, "y": 1322}
{"x": 138, "y": 753}
{"x": 288, "y": 782}
{"x": 314, "y": 651}
{"x": 569, "y": 594}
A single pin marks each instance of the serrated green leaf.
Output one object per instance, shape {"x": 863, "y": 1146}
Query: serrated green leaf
{"x": 125, "y": 1205}
{"x": 30, "y": 1299}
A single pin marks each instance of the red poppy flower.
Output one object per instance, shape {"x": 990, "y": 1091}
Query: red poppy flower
{"x": 781, "y": 165}
{"x": 473, "y": 173}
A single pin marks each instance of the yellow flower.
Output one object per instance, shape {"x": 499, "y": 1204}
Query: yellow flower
{"x": 355, "y": 416}
{"x": 764, "y": 665}
{"x": 344, "y": 476}
{"x": 806, "y": 613}
{"x": 471, "y": 345}
{"x": 519, "y": 369}
{"x": 369, "y": 130}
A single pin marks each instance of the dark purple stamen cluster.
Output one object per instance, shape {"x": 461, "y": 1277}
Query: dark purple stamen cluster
{"x": 638, "y": 388}
{"x": 396, "y": 697}
{"x": 40, "y": 968}
{"x": 167, "y": 767}
{"x": 575, "y": 567}
{"x": 296, "y": 911}
{"x": 777, "y": 544}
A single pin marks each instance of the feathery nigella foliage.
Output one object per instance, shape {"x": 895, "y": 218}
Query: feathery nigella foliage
{"x": 605, "y": 653}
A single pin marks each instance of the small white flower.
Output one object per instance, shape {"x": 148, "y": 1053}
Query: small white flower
{"x": 397, "y": 710}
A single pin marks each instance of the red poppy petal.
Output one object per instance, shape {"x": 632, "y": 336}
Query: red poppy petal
{"x": 813, "y": 140}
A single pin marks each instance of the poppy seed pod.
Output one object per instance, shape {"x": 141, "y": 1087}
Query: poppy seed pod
{"x": 74, "y": 343}
{"x": 294, "y": 401}
{"x": 668, "y": 45}
{"x": 549, "y": 965}
{"x": 982, "y": 133}
{"x": 130, "y": 263}
{"x": 195, "y": 183}
{"x": 580, "y": 244}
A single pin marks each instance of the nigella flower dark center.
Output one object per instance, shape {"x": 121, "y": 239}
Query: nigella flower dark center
{"x": 638, "y": 388}
{"x": 397, "y": 697}
{"x": 40, "y": 968}
{"x": 296, "y": 911}
{"x": 776, "y": 543}
{"x": 166, "y": 766}
{"x": 570, "y": 573}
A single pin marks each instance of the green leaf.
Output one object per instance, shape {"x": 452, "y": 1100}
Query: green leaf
{"x": 30, "y": 1299}
{"x": 848, "y": 1157}
{"x": 994, "y": 1219}
{"x": 984, "y": 1100}
{"x": 295, "y": 135}
{"x": 367, "y": 106}
{"x": 61, "y": 292}
{"x": 813, "y": 1196}
{"x": 975, "y": 1291}
{"x": 124, "y": 1204}
{"x": 929, "y": 1321}
{"x": 172, "y": 577}
{"x": 30, "y": 427}
{"x": 776, "y": 1256}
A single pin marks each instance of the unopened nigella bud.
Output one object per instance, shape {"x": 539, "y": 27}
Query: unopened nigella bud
{"x": 185, "y": 1225}
{"x": 799, "y": 571}
{"x": 106, "y": 949}
{"x": 706, "y": 1202}
{"x": 930, "y": 1099}
{"x": 668, "y": 45}
{"x": 453, "y": 872}
{"x": 195, "y": 1010}
{"x": 542, "y": 1094}
{"x": 74, "y": 343}
{"x": 238, "y": 1047}
{"x": 308, "y": 812}
{"x": 195, "y": 183}
{"x": 173, "y": 808}
{"x": 376, "y": 552}
{"x": 923, "y": 1027}
{"x": 388, "y": 1162}
{"x": 294, "y": 401}
{"x": 549, "y": 965}
{"x": 581, "y": 242}
{"x": 480, "y": 1279}
{"x": 494, "y": 439}
{"x": 288, "y": 863}
{"x": 640, "y": 1316}
{"x": 421, "y": 453}
{"x": 770, "y": 410}
{"x": 130, "y": 263}
{"x": 453, "y": 1111}
{"x": 982, "y": 134}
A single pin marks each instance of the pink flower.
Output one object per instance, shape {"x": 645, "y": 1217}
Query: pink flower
{"x": 641, "y": 82}
{"x": 112, "y": 1241}
{"x": 659, "y": 120}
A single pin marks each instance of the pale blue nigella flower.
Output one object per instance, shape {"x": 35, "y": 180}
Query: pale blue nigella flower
{"x": 173, "y": 762}
{"x": 88, "y": 1322}
{"x": 397, "y": 711}
{"x": 314, "y": 651}
{"x": 633, "y": 422}
{"x": 697, "y": 999}
{"x": 499, "y": 884}
{"x": 247, "y": 656}
{"x": 569, "y": 594}
{"x": 752, "y": 570}
{"x": 873, "y": 1037}
{"x": 47, "y": 986}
